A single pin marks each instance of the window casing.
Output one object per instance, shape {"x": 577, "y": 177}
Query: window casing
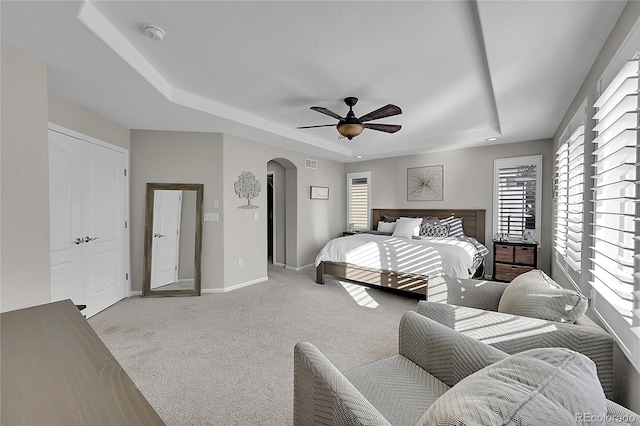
{"x": 517, "y": 195}
{"x": 359, "y": 200}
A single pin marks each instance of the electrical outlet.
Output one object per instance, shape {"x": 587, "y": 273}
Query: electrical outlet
{"x": 256, "y": 216}
{"x": 216, "y": 204}
{"x": 240, "y": 262}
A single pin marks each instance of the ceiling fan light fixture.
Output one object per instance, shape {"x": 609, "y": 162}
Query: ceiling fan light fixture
{"x": 350, "y": 130}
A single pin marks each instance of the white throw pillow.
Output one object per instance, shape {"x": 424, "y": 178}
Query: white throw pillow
{"x": 533, "y": 294}
{"x": 386, "y": 226}
{"x": 407, "y": 227}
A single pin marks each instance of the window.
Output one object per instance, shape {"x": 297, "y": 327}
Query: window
{"x": 358, "y": 199}
{"x": 569, "y": 197}
{"x": 517, "y": 189}
{"x": 615, "y": 247}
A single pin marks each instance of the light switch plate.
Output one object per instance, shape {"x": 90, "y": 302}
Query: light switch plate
{"x": 256, "y": 215}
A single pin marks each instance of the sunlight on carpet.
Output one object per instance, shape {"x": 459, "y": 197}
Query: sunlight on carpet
{"x": 360, "y": 295}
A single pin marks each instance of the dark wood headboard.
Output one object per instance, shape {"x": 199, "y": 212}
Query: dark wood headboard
{"x": 473, "y": 221}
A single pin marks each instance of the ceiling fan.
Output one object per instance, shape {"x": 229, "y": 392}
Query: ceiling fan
{"x": 351, "y": 126}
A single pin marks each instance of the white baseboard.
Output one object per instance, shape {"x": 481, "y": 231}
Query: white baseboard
{"x": 233, "y": 287}
{"x": 300, "y": 268}
{"x": 216, "y": 290}
{"x": 280, "y": 265}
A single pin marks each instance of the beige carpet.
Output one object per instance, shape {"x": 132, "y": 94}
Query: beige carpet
{"x": 227, "y": 359}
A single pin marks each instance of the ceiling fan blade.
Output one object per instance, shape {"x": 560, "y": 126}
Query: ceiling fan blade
{"x": 323, "y": 110}
{"x": 320, "y": 125}
{"x": 389, "y": 128}
{"x": 385, "y": 111}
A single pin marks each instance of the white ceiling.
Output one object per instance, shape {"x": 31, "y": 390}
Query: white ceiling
{"x": 461, "y": 71}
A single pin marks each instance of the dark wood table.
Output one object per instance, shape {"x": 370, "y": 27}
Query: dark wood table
{"x": 55, "y": 370}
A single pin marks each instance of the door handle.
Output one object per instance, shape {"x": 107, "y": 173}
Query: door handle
{"x": 87, "y": 239}
{"x": 159, "y": 235}
{"x": 78, "y": 241}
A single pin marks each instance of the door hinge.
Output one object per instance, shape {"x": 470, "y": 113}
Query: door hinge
{"x": 125, "y": 172}
{"x": 125, "y": 224}
{"x": 176, "y": 267}
{"x": 126, "y": 276}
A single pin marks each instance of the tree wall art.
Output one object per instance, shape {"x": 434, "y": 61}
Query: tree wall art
{"x": 247, "y": 187}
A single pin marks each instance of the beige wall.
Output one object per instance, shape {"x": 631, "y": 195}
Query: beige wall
{"x": 24, "y": 264}
{"x": 74, "y": 116}
{"x": 627, "y": 377}
{"x": 310, "y": 223}
{"x": 468, "y": 183}
{"x": 177, "y": 157}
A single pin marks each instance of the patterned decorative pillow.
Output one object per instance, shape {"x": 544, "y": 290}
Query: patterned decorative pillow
{"x": 438, "y": 231}
{"x": 534, "y": 294}
{"x": 550, "y": 386}
{"x": 455, "y": 226}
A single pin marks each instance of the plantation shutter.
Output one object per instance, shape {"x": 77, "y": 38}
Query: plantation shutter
{"x": 358, "y": 199}
{"x": 570, "y": 198}
{"x": 615, "y": 240}
{"x": 562, "y": 199}
{"x": 516, "y": 198}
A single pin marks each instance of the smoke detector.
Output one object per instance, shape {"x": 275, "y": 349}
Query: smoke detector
{"x": 153, "y": 32}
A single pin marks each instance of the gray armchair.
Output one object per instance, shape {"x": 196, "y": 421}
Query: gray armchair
{"x": 441, "y": 376}
{"x": 470, "y": 307}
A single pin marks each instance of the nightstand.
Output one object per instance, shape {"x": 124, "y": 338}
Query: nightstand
{"x": 513, "y": 258}
{"x": 345, "y": 233}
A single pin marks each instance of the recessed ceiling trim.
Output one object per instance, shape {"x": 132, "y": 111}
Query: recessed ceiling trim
{"x": 91, "y": 17}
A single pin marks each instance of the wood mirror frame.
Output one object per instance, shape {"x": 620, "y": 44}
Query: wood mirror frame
{"x": 148, "y": 239}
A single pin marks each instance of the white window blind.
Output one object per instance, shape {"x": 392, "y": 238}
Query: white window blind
{"x": 615, "y": 247}
{"x": 570, "y": 198}
{"x": 358, "y": 193}
{"x": 517, "y": 191}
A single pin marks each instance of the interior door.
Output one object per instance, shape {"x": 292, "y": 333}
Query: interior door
{"x": 103, "y": 225}
{"x": 87, "y": 221}
{"x": 65, "y": 221}
{"x": 167, "y": 207}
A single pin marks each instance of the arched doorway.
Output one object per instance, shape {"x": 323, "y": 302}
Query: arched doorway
{"x": 282, "y": 184}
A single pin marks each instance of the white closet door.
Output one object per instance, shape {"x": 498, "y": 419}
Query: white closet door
{"x": 65, "y": 220}
{"x": 88, "y": 234}
{"x": 103, "y": 213}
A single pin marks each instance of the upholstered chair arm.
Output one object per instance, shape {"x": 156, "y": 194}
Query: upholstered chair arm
{"x": 481, "y": 294}
{"x": 323, "y": 396}
{"x": 446, "y": 354}
{"x": 513, "y": 334}
{"x": 620, "y": 416}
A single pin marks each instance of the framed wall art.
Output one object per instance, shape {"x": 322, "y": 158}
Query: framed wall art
{"x": 425, "y": 183}
{"x": 319, "y": 193}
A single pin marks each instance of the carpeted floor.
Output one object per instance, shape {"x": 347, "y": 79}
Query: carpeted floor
{"x": 227, "y": 359}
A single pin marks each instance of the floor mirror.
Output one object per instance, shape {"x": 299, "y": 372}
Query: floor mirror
{"x": 172, "y": 239}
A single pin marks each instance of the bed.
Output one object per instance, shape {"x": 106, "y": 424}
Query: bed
{"x": 405, "y": 264}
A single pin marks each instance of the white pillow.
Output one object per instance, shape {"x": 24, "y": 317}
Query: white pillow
{"x": 407, "y": 227}
{"x": 386, "y": 226}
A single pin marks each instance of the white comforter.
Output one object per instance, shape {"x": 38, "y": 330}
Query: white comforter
{"x": 426, "y": 256}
